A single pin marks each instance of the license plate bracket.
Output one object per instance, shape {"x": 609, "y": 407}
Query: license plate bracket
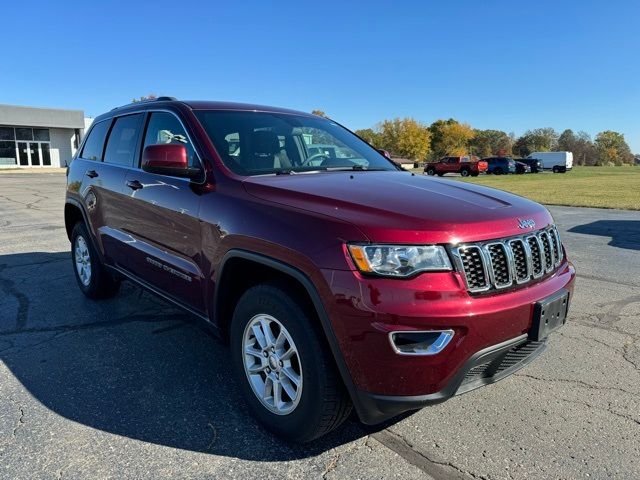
{"x": 549, "y": 315}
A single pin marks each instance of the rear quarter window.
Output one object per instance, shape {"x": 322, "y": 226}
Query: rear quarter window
{"x": 94, "y": 145}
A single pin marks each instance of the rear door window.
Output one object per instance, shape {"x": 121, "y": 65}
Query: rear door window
{"x": 94, "y": 145}
{"x": 123, "y": 139}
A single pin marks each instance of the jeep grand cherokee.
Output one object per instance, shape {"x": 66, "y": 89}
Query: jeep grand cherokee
{"x": 338, "y": 280}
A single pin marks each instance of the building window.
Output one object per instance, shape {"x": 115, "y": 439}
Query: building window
{"x": 7, "y": 133}
{"x": 7, "y": 153}
{"x": 25, "y": 146}
{"x": 41, "y": 134}
{"x": 24, "y": 133}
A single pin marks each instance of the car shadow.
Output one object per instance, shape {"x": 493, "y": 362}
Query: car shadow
{"x": 623, "y": 233}
{"x": 132, "y": 365}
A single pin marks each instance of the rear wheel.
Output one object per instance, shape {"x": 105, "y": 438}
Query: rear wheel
{"x": 431, "y": 171}
{"x": 556, "y": 169}
{"x": 284, "y": 370}
{"x": 497, "y": 171}
{"x": 93, "y": 279}
{"x": 474, "y": 174}
{"x": 464, "y": 172}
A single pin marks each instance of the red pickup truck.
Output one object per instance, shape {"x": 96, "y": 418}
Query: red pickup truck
{"x": 465, "y": 166}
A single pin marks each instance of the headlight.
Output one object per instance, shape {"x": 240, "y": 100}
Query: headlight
{"x": 399, "y": 260}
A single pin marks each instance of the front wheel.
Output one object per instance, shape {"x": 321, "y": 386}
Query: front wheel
{"x": 464, "y": 172}
{"x": 283, "y": 367}
{"x": 93, "y": 279}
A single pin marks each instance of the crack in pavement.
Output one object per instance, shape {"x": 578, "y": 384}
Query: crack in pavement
{"x": 621, "y": 351}
{"x": 613, "y": 315}
{"x": 598, "y": 407}
{"x": 438, "y": 469}
{"x": 19, "y": 421}
{"x": 586, "y": 321}
{"x": 62, "y": 329}
{"x": 575, "y": 382}
{"x": 606, "y": 280}
{"x": 30, "y": 264}
{"x": 8, "y": 287}
{"x": 333, "y": 463}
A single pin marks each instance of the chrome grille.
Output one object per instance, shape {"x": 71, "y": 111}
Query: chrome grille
{"x": 502, "y": 263}
{"x": 536, "y": 256}
{"x": 521, "y": 260}
{"x": 471, "y": 259}
{"x": 546, "y": 249}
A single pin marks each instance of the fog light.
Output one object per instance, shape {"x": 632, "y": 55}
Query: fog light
{"x": 413, "y": 342}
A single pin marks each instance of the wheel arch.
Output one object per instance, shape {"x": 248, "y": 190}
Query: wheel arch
{"x": 73, "y": 213}
{"x": 232, "y": 280}
{"x": 225, "y": 298}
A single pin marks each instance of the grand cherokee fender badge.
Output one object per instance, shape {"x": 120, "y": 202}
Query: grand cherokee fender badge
{"x": 167, "y": 268}
{"x": 526, "y": 223}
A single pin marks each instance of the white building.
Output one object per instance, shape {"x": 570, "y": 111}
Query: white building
{"x": 38, "y": 137}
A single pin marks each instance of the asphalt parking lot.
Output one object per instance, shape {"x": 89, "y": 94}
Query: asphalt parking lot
{"x": 133, "y": 388}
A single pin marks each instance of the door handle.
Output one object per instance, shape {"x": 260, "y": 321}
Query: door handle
{"x": 134, "y": 184}
{"x": 91, "y": 174}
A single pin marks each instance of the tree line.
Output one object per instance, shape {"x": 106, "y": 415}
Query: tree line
{"x": 409, "y": 138}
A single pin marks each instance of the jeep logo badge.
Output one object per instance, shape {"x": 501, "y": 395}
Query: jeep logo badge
{"x": 526, "y": 223}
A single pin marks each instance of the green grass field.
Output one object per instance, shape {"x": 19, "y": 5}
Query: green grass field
{"x": 603, "y": 187}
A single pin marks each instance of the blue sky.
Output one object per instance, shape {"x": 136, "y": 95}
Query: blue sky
{"x": 508, "y": 65}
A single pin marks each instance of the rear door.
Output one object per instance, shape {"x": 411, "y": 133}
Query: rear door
{"x": 101, "y": 186}
{"x": 162, "y": 220}
{"x": 118, "y": 157}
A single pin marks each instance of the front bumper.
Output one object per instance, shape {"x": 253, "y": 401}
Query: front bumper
{"x": 487, "y": 330}
{"x": 483, "y": 368}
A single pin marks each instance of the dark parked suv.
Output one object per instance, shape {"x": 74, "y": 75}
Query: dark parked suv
{"x": 338, "y": 280}
{"x": 500, "y": 165}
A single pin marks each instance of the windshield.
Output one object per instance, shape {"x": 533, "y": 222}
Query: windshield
{"x": 259, "y": 143}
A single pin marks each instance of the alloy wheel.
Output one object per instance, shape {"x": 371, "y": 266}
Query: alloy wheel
{"x": 82, "y": 261}
{"x": 272, "y": 364}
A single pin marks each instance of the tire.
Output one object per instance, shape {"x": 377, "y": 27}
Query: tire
{"x": 440, "y": 174}
{"x": 93, "y": 279}
{"x": 464, "y": 172}
{"x": 475, "y": 174}
{"x": 556, "y": 169}
{"x": 430, "y": 171}
{"x": 309, "y": 409}
{"x": 497, "y": 171}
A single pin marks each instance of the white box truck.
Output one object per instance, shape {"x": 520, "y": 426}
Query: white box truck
{"x": 558, "y": 162}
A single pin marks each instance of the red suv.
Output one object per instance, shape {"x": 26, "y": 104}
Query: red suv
{"x": 338, "y": 279}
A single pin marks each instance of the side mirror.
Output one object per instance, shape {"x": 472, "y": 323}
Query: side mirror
{"x": 384, "y": 153}
{"x": 168, "y": 159}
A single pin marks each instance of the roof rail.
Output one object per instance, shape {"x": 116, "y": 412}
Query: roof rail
{"x": 158, "y": 99}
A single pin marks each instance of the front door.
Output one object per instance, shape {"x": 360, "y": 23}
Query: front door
{"x": 23, "y": 153}
{"x": 34, "y": 151}
{"x": 162, "y": 219}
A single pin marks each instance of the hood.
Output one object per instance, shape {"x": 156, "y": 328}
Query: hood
{"x": 398, "y": 207}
